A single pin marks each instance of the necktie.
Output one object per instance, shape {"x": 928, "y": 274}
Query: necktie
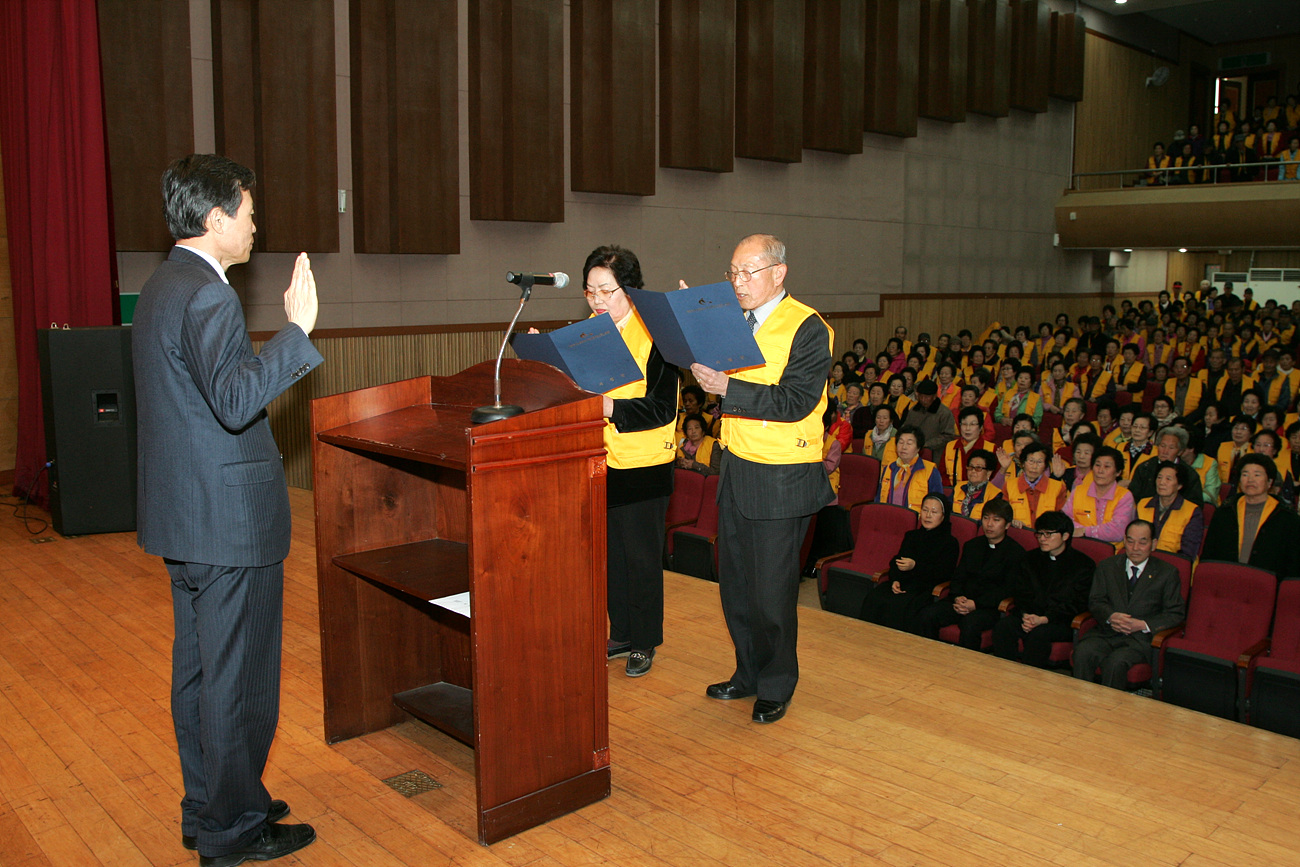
{"x": 752, "y": 320}
{"x": 1133, "y": 574}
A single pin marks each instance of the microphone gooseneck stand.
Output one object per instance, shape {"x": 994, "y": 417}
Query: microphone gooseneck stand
{"x": 498, "y": 411}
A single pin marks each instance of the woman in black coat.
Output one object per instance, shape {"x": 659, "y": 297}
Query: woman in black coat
{"x": 927, "y": 557}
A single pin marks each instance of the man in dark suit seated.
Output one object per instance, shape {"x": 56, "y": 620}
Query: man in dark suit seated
{"x": 982, "y": 581}
{"x": 214, "y": 504}
{"x": 772, "y": 480}
{"x": 1133, "y": 597}
{"x": 1050, "y": 590}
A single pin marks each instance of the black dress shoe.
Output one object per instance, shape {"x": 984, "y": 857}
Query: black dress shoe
{"x": 726, "y": 691}
{"x": 615, "y": 649}
{"x": 639, "y": 662}
{"x": 275, "y": 841}
{"x": 277, "y": 811}
{"x": 769, "y": 711}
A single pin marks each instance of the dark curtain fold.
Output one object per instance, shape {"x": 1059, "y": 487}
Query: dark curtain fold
{"x": 56, "y": 193}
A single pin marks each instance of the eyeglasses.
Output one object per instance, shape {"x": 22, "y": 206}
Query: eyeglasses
{"x": 1043, "y": 534}
{"x": 976, "y": 468}
{"x": 734, "y": 275}
{"x": 602, "y": 294}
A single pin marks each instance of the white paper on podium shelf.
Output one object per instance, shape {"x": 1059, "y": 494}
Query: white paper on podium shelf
{"x": 457, "y": 603}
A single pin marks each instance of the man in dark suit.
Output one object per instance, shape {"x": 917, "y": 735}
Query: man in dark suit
{"x": 1133, "y": 597}
{"x": 772, "y": 480}
{"x": 214, "y": 504}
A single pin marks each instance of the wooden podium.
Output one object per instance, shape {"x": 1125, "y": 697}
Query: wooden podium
{"x": 412, "y": 504}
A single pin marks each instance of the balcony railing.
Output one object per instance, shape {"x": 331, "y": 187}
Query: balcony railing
{"x": 1273, "y": 171}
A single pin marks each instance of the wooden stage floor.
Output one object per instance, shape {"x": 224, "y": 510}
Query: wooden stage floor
{"x": 895, "y": 751}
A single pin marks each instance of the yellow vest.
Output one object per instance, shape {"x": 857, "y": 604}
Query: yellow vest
{"x": 991, "y": 492}
{"x": 1133, "y": 374}
{"x": 643, "y": 448}
{"x": 1191, "y": 401}
{"x": 917, "y": 486}
{"x": 1226, "y": 460}
{"x": 1171, "y": 535}
{"x": 1053, "y": 493}
{"x": 703, "y": 452}
{"x": 778, "y": 442}
{"x": 1028, "y": 404}
{"x": 1085, "y": 506}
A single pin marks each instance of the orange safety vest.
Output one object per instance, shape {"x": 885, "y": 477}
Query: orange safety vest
{"x": 1171, "y": 535}
{"x": 1051, "y": 498}
{"x": 991, "y": 492}
{"x": 918, "y": 483}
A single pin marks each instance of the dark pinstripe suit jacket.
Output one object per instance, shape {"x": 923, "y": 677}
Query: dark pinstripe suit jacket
{"x": 211, "y": 481}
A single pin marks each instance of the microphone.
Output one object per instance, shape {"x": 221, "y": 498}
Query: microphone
{"x": 558, "y": 279}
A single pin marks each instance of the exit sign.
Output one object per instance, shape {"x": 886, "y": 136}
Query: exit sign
{"x": 1245, "y": 61}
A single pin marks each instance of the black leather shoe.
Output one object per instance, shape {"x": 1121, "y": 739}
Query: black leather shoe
{"x": 726, "y": 691}
{"x": 639, "y": 662}
{"x": 275, "y": 841}
{"x": 769, "y": 711}
{"x": 278, "y": 810}
{"x": 615, "y": 649}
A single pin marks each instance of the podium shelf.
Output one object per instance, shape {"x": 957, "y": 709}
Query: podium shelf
{"x": 444, "y": 706}
{"x": 426, "y": 433}
{"x": 427, "y": 570}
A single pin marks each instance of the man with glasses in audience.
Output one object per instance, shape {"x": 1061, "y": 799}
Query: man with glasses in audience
{"x": 771, "y": 479}
{"x": 1050, "y": 589}
{"x": 1133, "y": 596}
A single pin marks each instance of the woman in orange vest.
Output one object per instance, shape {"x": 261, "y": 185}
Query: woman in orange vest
{"x": 908, "y": 480}
{"x": 1179, "y": 524}
{"x": 957, "y": 453}
{"x": 1231, "y": 452}
{"x": 1033, "y": 491}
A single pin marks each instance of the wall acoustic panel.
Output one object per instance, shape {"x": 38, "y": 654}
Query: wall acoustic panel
{"x": 1031, "y": 45}
{"x": 516, "y": 110}
{"x": 697, "y": 90}
{"x": 770, "y": 80}
{"x": 989, "y": 90}
{"x": 612, "y": 109}
{"x": 1068, "y": 39}
{"x": 835, "y": 76}
{"x": 274, "y": 89}
{"x": 944, "y": 68}
{"x": 144, "y": 49}
{"x": 893, "y": 60}
{"x": 405, "y": 188}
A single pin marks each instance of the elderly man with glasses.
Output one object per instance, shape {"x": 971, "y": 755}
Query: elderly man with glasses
{"x": 771, "y": 480}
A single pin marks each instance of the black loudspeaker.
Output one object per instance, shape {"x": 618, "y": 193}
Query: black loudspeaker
{"x": 88, "y": 391}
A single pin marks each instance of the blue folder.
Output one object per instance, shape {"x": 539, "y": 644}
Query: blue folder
{"x": 591, "y": 352}
{"x": 700, "y": 324}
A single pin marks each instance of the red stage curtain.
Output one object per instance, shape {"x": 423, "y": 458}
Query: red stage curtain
{"x": 56, "y": 193}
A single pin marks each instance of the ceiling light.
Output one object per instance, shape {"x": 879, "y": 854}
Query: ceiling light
{"x": 1128, "y": 249}
{"x": 1120, "y": 2}
{"x": 1182, "y": 249}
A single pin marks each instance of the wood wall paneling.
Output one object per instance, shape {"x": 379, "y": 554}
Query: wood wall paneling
{"x": 612, "y": 109}
{"x": 516, "y": 110}
{"x": 990, "y": 66}
{"x": 1031, "y": 44}
{"x": 406, "y": 188}
{"x": 893, "y": 60}
{"x": 835, "y": 75}
{"x": 1069, "y": 41}
{"x": 697, "y": 91}
{"x": 770, "y": 80}
{"x": 1120, "y": 117}
{"x": 274, "y": 87}
{"x": 944, "y": 65}
{"x": 144, "y": 48}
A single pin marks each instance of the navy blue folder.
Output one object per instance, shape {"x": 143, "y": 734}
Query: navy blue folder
{"x": 591, "y": 352}
{"x": 700, "y": 324}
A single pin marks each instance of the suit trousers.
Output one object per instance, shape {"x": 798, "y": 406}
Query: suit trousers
{"x": 225, "y": 696}
{"x": 1114, "y": 654}
{"x": 1008, "y": 633}
{"x": 758, "y": 577}
{"x": 635, "y": 573}
{"x": 937, "y": 615}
